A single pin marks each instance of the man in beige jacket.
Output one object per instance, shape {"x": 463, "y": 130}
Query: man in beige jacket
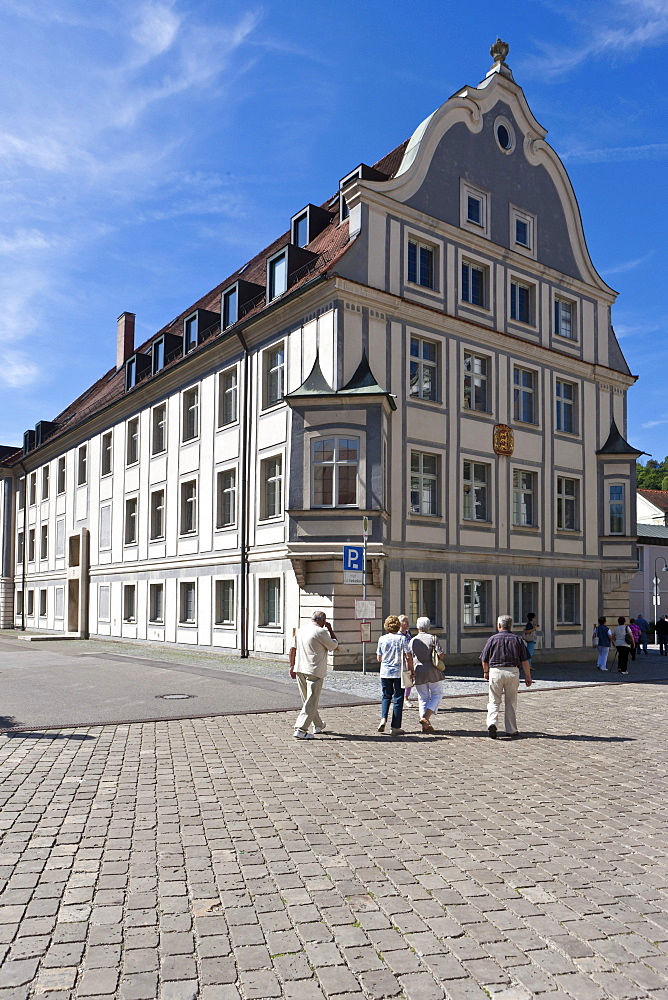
{"x": 308, "y": 663}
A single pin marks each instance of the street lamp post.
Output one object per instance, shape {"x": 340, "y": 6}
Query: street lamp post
{"x": 657, "y": 592}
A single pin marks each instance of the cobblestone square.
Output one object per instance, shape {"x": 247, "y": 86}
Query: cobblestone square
{"x": 220, "y": 859}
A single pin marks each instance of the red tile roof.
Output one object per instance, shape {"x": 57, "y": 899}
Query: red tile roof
{"x": 329, "y": 246}
{"x": 658, "y": 497}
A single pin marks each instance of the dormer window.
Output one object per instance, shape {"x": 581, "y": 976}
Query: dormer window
{"x": 131, "y": 373}
{"x": 300, "y": 230}
{"x": 137, "y": 368}
{"x": 164, "y": 349}
{"x": 198, "y": 327}
{"x": 230, "y": 307}
{"x": 158, "y": 356}
{"x": 278, "y": 276}
{"x": 190, "y": 334}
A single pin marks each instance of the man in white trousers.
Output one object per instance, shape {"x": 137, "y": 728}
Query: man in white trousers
{"x": 308, "y": 663}
{"x": 502, "y": 657}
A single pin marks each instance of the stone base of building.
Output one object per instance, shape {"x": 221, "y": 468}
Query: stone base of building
{"x": 6, "y": 602}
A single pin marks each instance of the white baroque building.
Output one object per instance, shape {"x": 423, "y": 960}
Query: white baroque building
{"x": 432, "y": 347}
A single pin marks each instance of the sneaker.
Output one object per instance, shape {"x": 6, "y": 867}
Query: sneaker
{"x": 381, "y": 727}
{"x": 408, "y": 703}
{"x": 320, "y": 729}
{"x": 491, "y": 732}
{"x": 299, "y": 734}
{"x": 397, "y": 732}
{"x": 604, "y": 669}
{"x": 623, "y": 671}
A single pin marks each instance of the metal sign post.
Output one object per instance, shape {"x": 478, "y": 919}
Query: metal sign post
{"x": 365, "y": 533}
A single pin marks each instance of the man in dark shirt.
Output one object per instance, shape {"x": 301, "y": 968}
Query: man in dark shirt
{"x": 662, "y": 635}
{"x": 502, "y": 657}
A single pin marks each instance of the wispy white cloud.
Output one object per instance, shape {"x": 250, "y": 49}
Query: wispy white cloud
{"x": 618, "y": 154}
{"x": 17, "y": 371}
{"x": 628, "y": 265}
{"x": 654, "y": 423}
{"x": 614, "y": 29}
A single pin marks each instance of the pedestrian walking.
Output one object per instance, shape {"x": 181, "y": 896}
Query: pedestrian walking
{"x": 643, "y": 625}
{"x": 662, "y": 635}
{"x": 530, "y": 635}
{"x": 623, "y": 640}
{"x": 635, "y": 632}
{"x": 602, "y": 638}
{"x": 426, "y": 651}
{"x": 503, "y": 655}
{"x": 308, "y": 664}
{"x": 405, "y": 630}
{"x": 392, "y": 654}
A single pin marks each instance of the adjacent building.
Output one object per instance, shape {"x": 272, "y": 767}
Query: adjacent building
{"x": 431, "y": 348}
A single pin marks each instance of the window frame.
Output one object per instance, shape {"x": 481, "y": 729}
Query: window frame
{"x": 610, "y": 503}
{"x": 563, "y": 300}
{"x": 46, "y": 482}
{"x": 532, "y": 491}
{"x": 130, "y": 603}
{"x": 420, "y": 361}
{"x": 221, "y": 490}
{"x": 431, "y": 250}
{"x": 520, "y": 390}
{"x": 61, "y": 475}
{"x": 336, "y": 465}
{"x": 219, "y": 621}
{"x": 471, "y": 376}
{"x": 273, "y": 372}
{"x": 559, "y": 604}
{"x": 157, "y": 512}
{"x": 466, "y": 190}
{"x": 470, "y": 263}
{"x": 486, "y": 583}
{"x": 132, "y": 442}
{"x": 561, "y": 403}
{"x": 158, "y": 429}
{"x": 228, "y": 295}
{"x": 32, "y": 545}
{"x": 264, "y": 621}
{"x": 106, "y": 513}
{"x": 418, "y": 606}
{"x": 264, "y": 481}
{"x": 190, "y": 416}
{"x": 423, "y": 477}
{"x": 155, "y": 587}
{"x": 43, "y": 606}
{"x": 44, "y": 542}
{"x": 473, "y": 483}
{"x": 188, "y": 508}
{"x": 518, "y": 604}
{"x": 529, "y": 219}
{"x": 521, "y": 282}
{"x": 272, "y": 263}
{"x": 106, "y": 454}
{"x": 562, "y": 498}
{"x": 32, "y": 489}
{"x": 225, "y": 393}
{"x": 104, "y": 617}
{"x": 131, "y": 521}
{"x": 183, "y": 609}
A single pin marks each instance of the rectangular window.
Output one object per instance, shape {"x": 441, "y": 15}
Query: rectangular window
{"x": 42, "y": 603}
{"x": 132, "y": 443}
{"x": 525, "y": 600}
{"x": 425, "y": 600}
{"x": 476, "y": 602}
{"x": 19, "y": 602}
{"x": 44, "y": 542}
{"x": 104, "y": 602}
{"x": 59, "y": 602}
{"x": 423, "y": 368}
{"x": 563, "y": 319}
{"x": 335, "y": 463}
{"x": 475, "y": 382}
{"x": 230, "y": 308}
{"x": 522, "y": 232}
{"x": 187, "y": 604}
{"x": 278, "y": 276}
{"x": 568, "y": 604}
{"x": 158, "y": 352}
{"x": 131, "y": 520}
{"x": 520, "y": 302}
{"x": 129, "y": 602}
{"x": 20, "y": 547}
{"x": 106, "y": 453}
{"x": 156, "y": 594}
{"x": 227, "y": 397}
{"x": 420, "y": 264}
{"x": 476, "y": 488}
{"x": 424, "y": 484}
{"x": 31, "y": 603}
{"x": 271, "y": 478}
{"x": 473, "y": 283}
{"x": 189, "y": 507}
{"x": 616, "y": 509}
{"x": 45, "y": 483}
{"x": 157, "y": 527}
{"x": 61, "y": 475}
{"x": 474, "y": 211}
{"x": 566, "y": 393}
{"x": 270, "y": 602}
{"x": 300, "y": 231}
{"x": 60, "y": 538}
{"x": 159, "y": 429}
{"x": 33, "y": 488}
{"x": 226, "y": 488}
{"x": 105, "y": 527}
{"x": 274, "y": 375}
{"x": 190, "y": 333}
{"x": 524, "y": 395}
{"x": 22, "y": 493}
{"x": 524, "y": 498}
{"x": 31, "y": 545}
{"x": 567, "y": 504}
{"x": 190, "y": 414}
{"x": 224, "y": 609}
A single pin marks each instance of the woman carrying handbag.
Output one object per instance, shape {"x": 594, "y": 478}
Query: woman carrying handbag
{"x": 428, "y": 665}
{"x": 623, "y": 639}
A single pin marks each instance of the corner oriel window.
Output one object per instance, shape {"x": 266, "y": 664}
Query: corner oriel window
{"x": 616, "y": 509}
{"x": 420, "y": 264}
{"x": 335, "y": 471}
{"x": 423, "y": 368}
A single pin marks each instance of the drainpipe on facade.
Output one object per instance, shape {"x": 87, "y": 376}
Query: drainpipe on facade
{"x": 243, "y": 541}
{"x": 25, "y": 546}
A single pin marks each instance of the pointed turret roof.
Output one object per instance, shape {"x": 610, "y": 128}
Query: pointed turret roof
{"x": 617, "y": 445}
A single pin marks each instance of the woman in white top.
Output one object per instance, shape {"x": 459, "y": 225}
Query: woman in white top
{"x": 623, "y": 640}
{"x": 428, "y": 678}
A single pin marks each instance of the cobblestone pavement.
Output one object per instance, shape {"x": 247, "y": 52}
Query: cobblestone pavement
{"x": 219, "y": 858}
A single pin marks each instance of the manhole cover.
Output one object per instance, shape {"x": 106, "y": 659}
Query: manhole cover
{"x": 174, "y": 697}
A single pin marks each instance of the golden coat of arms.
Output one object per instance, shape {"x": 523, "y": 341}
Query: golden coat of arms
{"x": 504, "y": 440}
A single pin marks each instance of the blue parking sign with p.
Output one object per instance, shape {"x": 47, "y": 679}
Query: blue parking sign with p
{"x": 353, "y": 558}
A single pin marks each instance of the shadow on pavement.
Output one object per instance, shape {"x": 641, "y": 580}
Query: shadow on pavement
{"x": 21, "y": 735}
{"x": 9, "y": 722}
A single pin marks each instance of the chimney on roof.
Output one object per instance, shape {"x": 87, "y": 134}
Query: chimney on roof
{"x": 125, "y": 338}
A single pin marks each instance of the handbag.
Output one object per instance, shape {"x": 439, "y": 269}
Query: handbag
{"x": 594, "y": 638}
{"x": 435, "y": 659}
{"x": 407, "y": 677}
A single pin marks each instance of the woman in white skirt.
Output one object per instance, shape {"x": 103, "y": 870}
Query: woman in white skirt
{"x": 428, "y": 678}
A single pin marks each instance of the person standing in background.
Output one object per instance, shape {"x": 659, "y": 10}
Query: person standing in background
{"x": 405, "y": 630}
{"x": 604, "y": 636}
{"x": 392, "y": 653}
{"x": 662, "y": 635}
{"x": 623, "y": 640}
{"x": 643, "y": 625}
{"x": 635, "y": 632}
{"x": 529, "y": 634}
{"x": 503, "y": 655}
{"x": 308, "y": 665}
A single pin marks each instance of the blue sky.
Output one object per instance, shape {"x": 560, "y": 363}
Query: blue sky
{"x": 149, "y": 147}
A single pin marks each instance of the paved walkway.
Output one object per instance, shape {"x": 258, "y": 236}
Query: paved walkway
{"x": 218, "y": 858}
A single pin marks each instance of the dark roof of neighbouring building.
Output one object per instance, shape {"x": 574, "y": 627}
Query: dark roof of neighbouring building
{"x": 652, "y": 534}
{"x": 658, "y": 497}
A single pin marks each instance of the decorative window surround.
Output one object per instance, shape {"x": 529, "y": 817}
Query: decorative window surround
{"x": 523, "y": 232}
{"x": 472, "y": 218}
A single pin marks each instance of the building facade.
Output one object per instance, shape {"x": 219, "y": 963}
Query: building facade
{"x": 431, "y": 348}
